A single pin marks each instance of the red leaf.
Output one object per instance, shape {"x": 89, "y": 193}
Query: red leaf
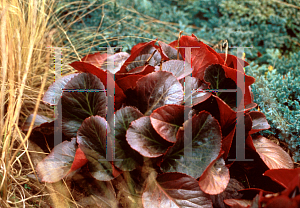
{"x": 283, "y": 176}
{"x": 134, "y": 53}
{"x": 96, "y": 59}
{"x": 232, "y": 60}
{"x": 166, "y": 120}
{"x": 174, "y": 44}
{"x": 259, "y": 122}
{"x": 79, "y": 160}
{"x": 89, "y": 68}
{"x": 128, "y": 82}
{"x": 140, "y": 70}
{"x": 238, "y": 203}
{"x": 201, "y": 56}
{"x": 142, "y": 137}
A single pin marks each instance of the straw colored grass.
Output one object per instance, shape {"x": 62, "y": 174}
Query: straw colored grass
{"x": 25, "y": 63}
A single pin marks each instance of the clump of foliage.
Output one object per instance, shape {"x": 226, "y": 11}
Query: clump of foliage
{"x": 276, "y": 92}
{"x": 150, "y": 129}
{"x": 265, "y": 25}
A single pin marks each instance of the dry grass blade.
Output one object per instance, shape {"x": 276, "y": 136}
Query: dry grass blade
{"x": 25, "y": 62}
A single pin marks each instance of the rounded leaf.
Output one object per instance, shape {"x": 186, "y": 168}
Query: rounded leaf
{"x": 171, "y": 190}
{"x": 166, "y": 121}
{"x": 158, "y": 89}
{"x": 91, "y": 138}
{"x": 142, "y": 137}
{"x": 53, "y": 94}
{"x": 58, "y": 163}
{"x": 79, "y": 103}
{"x": 215, "y": 179}
{"x": 121, "y": 122}
{"x": 178, "y": 68}
{"x": 272, "y": 154}
{"x": 203, "y": 133}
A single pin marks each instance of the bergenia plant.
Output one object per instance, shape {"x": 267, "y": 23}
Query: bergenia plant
{"x": 149, "y": 127}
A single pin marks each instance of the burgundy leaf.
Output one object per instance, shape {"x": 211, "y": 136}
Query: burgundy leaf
{"x": 206, "y": 146}
{"x": 128, "y": 82}
{"x": 272, "y": 154}
{"x": 118, "y": 59}
{"x": 259, "y": 122}
{"x": 201, "y": 56}
{"x": 123, "y": 118}
{"x": 59, "y": 162}
{"x": 39, "y": 120}
{"x": 135, "y": 51}
{"x": 196, "y": 94}
{"x": 232, "y": 61}
{"x": 141, "y": 60}
{"x": 178, "y": 68}
{"x": 238, "y": 203}
{"x": 78, "y": 105}
{"x": 142, "y": 137}
{"x": 158, "y": 89}
{"x": 174, "y": 190}
{"x": 140, "y": 70}
{"x": 102, "y": 75}
{"x": 231, "y": 192}
{"x": 91, "y": 138}
{"x": 166, "y": 121}
{"x": 169, "y": 51}
{"x": 53, "y": 94}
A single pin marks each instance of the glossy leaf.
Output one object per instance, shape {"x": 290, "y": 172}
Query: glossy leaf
{"x": 283, "y": 176}
{"x": 96, "y": 59}
{"x": 54, "y": 92}
{"x": 59, "y": 162}
{"x": 238, "y": 203}
{"x": 142, "y": 137}
{"x": 39, "y": 120}
{"x": 272, "y": 154}
{"x": 232, "y": 61}
{"x": 200, "y": 55}
{"x": 174, "y": 190}
{"x": 91, "y": 138}
{"x": 206, "y": 146}
{"x": 169, "y": 51}
{"x": 118, "y": 59}
{"x": 215, "y": 75}
{"x": 136, "y": 51}
{"x": 196, "y": 94}
{"x": 178, "y": 68}
{"x": 166, "y": 121}
{"x": 259, "y": 122}
{"x": 121, "y": 122}
{"x": 141, "y": 61}
{"x": 128, "y": 82}
{"x": 77, "y": 106}
{"x": 215, "y": 179}
{"x": 158, "y": 89}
